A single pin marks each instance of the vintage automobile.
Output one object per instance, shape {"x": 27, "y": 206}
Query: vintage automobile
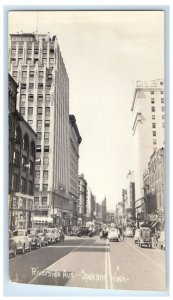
{"x": 51, "y": 235}
{"x": 35, "y": 238}
{"x": 128, "y": 232}
{"x": 161, "y": 240}
{"x": 44, "y": 238}
{"x": 136, "y": 236}
{"x": 12, "y": 244}
{"x": 22, "y": 240}
{"x": 84, "y": 231}
{"x": 145, "y": 237}
{"x": 113, "y": 234}
{"x": 56, "y": 232}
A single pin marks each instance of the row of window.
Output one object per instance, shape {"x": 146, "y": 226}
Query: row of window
{"x": 29, "y": 61}
{"x": 43, "y": 200}
{"x": 37, "y": 174}
{"x": 39, "y": 111}
{"x": 38, "y": 149}
{"x": 31, "y": 85}
{"x": 44, "y": 186}
{"x": 29, "y": 50}
{"x": 154, "y": 117}
{"x": 24, "y": 188}
{"x": 153, "y": 108}
{"x": 153, "y": 100}
{"x": 39, "y": 97}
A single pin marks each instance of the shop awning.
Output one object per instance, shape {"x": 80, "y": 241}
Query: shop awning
{"x": 42, "y": 219}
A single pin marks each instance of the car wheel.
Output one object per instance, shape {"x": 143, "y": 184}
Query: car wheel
{"x": 141, "y": 245}
{"x": 23, "y": 249}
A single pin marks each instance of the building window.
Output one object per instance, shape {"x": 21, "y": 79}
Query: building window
{"x": 161, "y": 82}
{"x": 162, "y": 108}
{"x": 47, "y": 111}
{"x": 44, "y": 50}
{"x": 38, "y": 149}
{"x": 22, "y": 110}
{"x": 152, "y": 92}
{"x": 14, "y": 73}
{"x": 31, "y": 85}
{"x": 46, "y": 135}
{"x": 13, "y": 50}
{"x": 45, "y": 160}
{"x": 44, "y": 61}
{"x": 51, "y": 50}
{"x": 16, "y": 183}
{"x": 45, "y": 187}
{"x": 23, "y": 97}
{"x": 44, "y": 200}
{"x": 153, "y": 125}
{"x": 36, "y": 51}
{"x": 46, "y": 148}
{"x": 152, "y": 100}
{"x": 31, "y": 74}
{"x": 23, "y": 185}
{"x": 23, "y": 86}
{"x": 45, "y": 174}
{"x": 47, "y": 97}
{"x": 154, "y": 133}
{"x": 31, "y": 167}
{"x": 162, "y": 100}
{"x": 28, "y": 61}
{"x": 41, "y": 74}
{"x": 153, "y": 109}
{"x": 30, "y": 110}
{"x": 162, "y": 92}
{"x": 29, "y": 51}
{"x": 39, "y": 136}
{"x": 40, "y": 97}
{"x": 51, "y": 60}
{"x": 39, "y": 123}
{"x": 37, "y": 174}
{"x": 47, "y": 123}
{"x": 30, "y": 97}
{"x": 40, "y": 85}
{"x": 37, "y": 187}
{"x": 154, "y": 142}
{"x": 36, "y": 200}
{"x": 24, "y": 74}
{"x": 20, "y": 51}
{"x": 39, "y": 110}
{"x": 153, "y": 117}
{"x": 24, "y": 163}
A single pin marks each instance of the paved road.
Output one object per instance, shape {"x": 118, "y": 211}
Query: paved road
{"x": 94, "y": 263}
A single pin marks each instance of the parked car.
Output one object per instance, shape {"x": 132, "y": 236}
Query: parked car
{"x": 161, "y": 240}
{"x": 51, "y": 235}
{"x": 113, "y": 234}
{"x": 44, "y": 238}
{"x": 84, "y": 231}
{"x": 129, "y": 232}
{"x": 35, "y": 238}
{"x": 11, "y": 244}
{"x": 56, "y": 232}
{"x": 136, "y": 236}
{"x": 22, "y": 240}
{"x": 62, "y": 236}
{"x": 145, "y": 237}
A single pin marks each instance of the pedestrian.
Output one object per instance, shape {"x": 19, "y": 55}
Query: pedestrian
{"x": 123, "y": 234}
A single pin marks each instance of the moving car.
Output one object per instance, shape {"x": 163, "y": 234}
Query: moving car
{"x": 136, "y": 236}
{"x": 129, "y": 232}
{"x": 113, "y": 234}
{"x": 161, "y": 240}
{"x": 22, "y": 240}
{"x": 12, "y": 244}
{"x": 84, "y": 231}
{"x": 35, "y": 238}
{"x": 145, "y": 237}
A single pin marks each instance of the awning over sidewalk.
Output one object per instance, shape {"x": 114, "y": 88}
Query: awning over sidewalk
{"x": 42, "y": 219}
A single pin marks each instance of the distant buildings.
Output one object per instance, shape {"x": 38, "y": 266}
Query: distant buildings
{"x": 22, "y": 145}
{"x": 104, "y": 210}
{"x": 82, "y": 200}
{"x": 148, "y": 132}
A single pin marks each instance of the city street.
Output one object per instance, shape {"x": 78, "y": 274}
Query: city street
{"x": 92, "y": 263}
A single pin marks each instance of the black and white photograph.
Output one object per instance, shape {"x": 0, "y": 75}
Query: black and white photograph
{"x": 86, "y": 149}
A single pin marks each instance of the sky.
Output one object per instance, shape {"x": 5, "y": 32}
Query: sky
{"x": 105, "y": 53}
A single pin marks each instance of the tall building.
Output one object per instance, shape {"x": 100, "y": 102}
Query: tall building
{"x": 36, "y": 63}
{"x": 104, "y": 211}
{"x": 75, "y": 140}
{"x": 148, "y": 129}
{"x": 22, "y": 144}
{"x": 82, "y": 199}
